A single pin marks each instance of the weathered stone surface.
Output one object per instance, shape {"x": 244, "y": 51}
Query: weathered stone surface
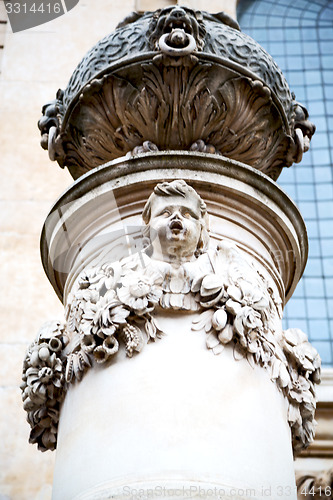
{"x": 266, "y": 207}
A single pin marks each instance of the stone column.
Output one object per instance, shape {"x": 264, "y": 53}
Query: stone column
{"x": 201, "y": 408}
{"x": 171, "y": 374}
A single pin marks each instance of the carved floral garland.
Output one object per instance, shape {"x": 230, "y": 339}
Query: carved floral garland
{"x": 43, "y": 384}
{"x": 114, "y": 304}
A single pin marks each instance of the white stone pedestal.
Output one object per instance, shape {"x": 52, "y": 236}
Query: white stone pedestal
{"x": 174, "y": 417}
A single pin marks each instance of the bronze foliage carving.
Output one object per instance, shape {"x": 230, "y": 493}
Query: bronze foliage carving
{"x": 175, "y": 107}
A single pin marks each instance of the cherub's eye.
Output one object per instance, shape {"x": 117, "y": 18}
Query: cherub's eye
{"x": 187, "y": 215}
{"x": 166, "y": 213}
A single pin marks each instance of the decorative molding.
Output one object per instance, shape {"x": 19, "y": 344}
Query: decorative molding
{"x": 147, "y": 81}
{"x": 117, "y": 304}
{"x": 233, "y": 118}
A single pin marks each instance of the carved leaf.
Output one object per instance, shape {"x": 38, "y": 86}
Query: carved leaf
{"x": 212, "y": 340}
{"x": 150, "y": 329}
{"x": 204, "y": 321}
{"x": 173, "y": 107}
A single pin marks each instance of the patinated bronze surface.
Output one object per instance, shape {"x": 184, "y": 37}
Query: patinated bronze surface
{"x": 181, "y": 80}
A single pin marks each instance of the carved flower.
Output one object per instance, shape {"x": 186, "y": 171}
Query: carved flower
{"x": 302, "y": 352}
{"x": 44, "y": 374}
{"x": 139, "y": 292}
{"x": 245, "y": 295}
{"x": 76, "y": 306}
{"x": 89, "y": 325}
{"x": 300, "y": 389}
{"x": 103, "y": 279}
{"x": 247, "y": 321}
{"x": 44, "y": 434}
{"x": 104, "y": 317}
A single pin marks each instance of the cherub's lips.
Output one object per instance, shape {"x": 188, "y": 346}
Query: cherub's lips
{"x": 176, "y": 225}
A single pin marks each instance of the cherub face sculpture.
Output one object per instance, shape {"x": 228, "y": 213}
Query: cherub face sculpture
{"x": 175, "y": 215}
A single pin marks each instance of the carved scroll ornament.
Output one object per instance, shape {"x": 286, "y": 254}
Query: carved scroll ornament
{"x": 116, "y": 305}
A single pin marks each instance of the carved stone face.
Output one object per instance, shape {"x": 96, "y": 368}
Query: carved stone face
{"x": 181, "y": 18}
{"x": 175, "y": 226}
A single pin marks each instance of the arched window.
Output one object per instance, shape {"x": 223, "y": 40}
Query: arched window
{"x": 299, "y": 36}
